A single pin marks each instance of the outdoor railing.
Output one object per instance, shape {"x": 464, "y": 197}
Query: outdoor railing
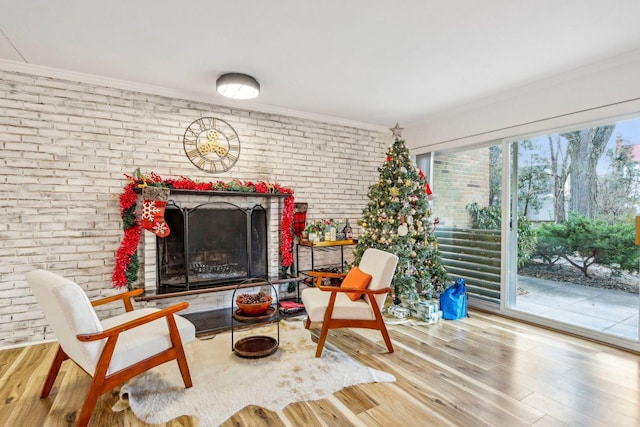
{"x": 473, "y": 255}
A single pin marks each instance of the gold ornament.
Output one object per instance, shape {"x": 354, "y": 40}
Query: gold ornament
{"x": 394, "y": 191}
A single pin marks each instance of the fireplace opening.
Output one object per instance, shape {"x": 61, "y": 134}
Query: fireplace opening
{"x": 212, "y": 244}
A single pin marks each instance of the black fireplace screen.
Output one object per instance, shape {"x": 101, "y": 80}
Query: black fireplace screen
{"x": 211, "y": 245}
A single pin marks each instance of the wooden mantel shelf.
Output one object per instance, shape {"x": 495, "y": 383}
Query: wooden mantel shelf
{"x": 222, "y": 193}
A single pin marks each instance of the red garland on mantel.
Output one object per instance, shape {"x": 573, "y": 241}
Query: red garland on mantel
{"x": 126, "y": 267}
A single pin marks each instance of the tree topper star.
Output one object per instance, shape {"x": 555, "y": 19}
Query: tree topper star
{"x": 396, "y": 131}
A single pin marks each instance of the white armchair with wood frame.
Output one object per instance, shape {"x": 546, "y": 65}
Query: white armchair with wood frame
{"x": 357, "y": 303}
{"x": 113, "y": 350}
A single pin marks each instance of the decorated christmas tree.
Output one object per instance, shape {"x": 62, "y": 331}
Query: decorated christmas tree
{"x": 398, "y": 219}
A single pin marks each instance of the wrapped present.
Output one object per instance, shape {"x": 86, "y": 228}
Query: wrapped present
{"x": 433, "y": 317}
{"x": 398, "y": 311}
{"x": 424, "y": 308}
{"x": 430, "y": 306}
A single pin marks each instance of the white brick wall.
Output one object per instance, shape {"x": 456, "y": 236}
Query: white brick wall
{"x": 66, "y": 145}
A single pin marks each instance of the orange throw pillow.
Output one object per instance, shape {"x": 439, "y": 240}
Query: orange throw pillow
{"x": 356, "y": 279}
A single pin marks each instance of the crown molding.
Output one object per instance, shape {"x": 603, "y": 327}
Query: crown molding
{"x": 58, "y": 73}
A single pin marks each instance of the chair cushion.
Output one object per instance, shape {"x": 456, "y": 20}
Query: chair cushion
{"x": 144, "y": 341}
{"x": 315, "y": 303}
{"x": 381, "y": 266}
{"x": 356, "y": 279}
{"x": 69, "y": 312}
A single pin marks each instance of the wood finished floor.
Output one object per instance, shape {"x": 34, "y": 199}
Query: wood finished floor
{"x": 480, "y": 371}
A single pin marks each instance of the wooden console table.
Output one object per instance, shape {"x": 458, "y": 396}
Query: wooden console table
{"x": 327, "y": 244}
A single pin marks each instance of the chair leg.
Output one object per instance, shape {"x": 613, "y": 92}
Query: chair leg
{"x": 181, "y": 358}
{"x": 308, "y": 322}
{"x": 61, "y": 356}
{"x": 387, "y": 340}
{"x": 89, "y": 404}
{"x": 382, "y": 327}
{"x": 184, "y": 370}
{"x": 323, "y": 337}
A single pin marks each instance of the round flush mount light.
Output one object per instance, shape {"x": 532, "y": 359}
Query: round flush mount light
{"x": 237, "y": 86}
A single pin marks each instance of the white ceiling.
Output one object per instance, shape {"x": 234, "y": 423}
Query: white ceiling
{"x": 370, "y": 61}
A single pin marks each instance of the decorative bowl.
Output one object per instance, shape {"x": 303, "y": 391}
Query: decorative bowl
{"x": 255, "y": 309}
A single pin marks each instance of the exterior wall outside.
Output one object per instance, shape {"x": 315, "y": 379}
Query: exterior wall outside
{"x": 459, "y": 179}
{"x": 66, "y": 146}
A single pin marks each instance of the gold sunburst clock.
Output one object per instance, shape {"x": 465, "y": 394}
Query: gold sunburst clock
{"x": 212, "y": 144}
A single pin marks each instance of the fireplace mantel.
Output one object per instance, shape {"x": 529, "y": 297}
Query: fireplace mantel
{"x": 242, "y": 199}
{"x": 222, "y": 193}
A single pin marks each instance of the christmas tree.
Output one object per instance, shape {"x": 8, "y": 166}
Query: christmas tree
{"x": 398, "y": 219}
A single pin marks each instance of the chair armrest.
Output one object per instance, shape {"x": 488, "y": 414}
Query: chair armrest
{"x": 363, "y": 291}
{"x": 326, "y": 274}
{"x": 322, "y": 274}
{"x": 124, "y": 296}
{"x": 165, "y": 312}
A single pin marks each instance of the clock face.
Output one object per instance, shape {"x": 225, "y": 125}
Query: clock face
{"x": 211, "y": 144}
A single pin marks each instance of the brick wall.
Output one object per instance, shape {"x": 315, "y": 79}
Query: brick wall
{"x": 459, "y": 179}
{"x": 66, "y": 145}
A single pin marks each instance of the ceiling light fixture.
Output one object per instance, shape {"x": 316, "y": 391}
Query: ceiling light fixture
{"x": 237, "y": 86}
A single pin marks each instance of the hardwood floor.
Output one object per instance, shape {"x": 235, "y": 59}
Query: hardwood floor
{"x": 481, "y": 371}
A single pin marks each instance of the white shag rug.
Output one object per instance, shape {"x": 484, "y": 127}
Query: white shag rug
{"x": 224, "y": 383}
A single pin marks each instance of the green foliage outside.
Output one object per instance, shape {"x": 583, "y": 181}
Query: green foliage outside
{"x": 527, "y": 240}
{"x": 565, "y": 167}
{"x": 489, "y": 218}
{"x": 583, "y": 242}
{"x": 552, "y": 244}
{"x": 396, "y": 220}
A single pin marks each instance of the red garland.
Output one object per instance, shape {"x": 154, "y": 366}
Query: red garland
{"x": 129, "y": 244}
{"x": 132, "y": 229}
{"x": 286, "y": 240}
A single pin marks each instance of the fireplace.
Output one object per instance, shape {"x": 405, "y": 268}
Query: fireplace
{"x": 211, "y": 244}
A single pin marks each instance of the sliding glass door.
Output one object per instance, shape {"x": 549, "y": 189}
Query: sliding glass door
{"x": 543, "y": 228}
{"x": 574, "y": 197}
{"x": 467, "y": 209}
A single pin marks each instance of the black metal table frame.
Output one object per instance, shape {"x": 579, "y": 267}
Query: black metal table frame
{"x": 274, "y": 318}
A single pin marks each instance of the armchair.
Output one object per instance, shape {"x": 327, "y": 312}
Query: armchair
{"x": 113, "y": 350}
{"x": 332, "y": 305}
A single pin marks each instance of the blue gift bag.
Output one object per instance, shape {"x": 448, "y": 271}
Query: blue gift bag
{"x": 453, "y": 301}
